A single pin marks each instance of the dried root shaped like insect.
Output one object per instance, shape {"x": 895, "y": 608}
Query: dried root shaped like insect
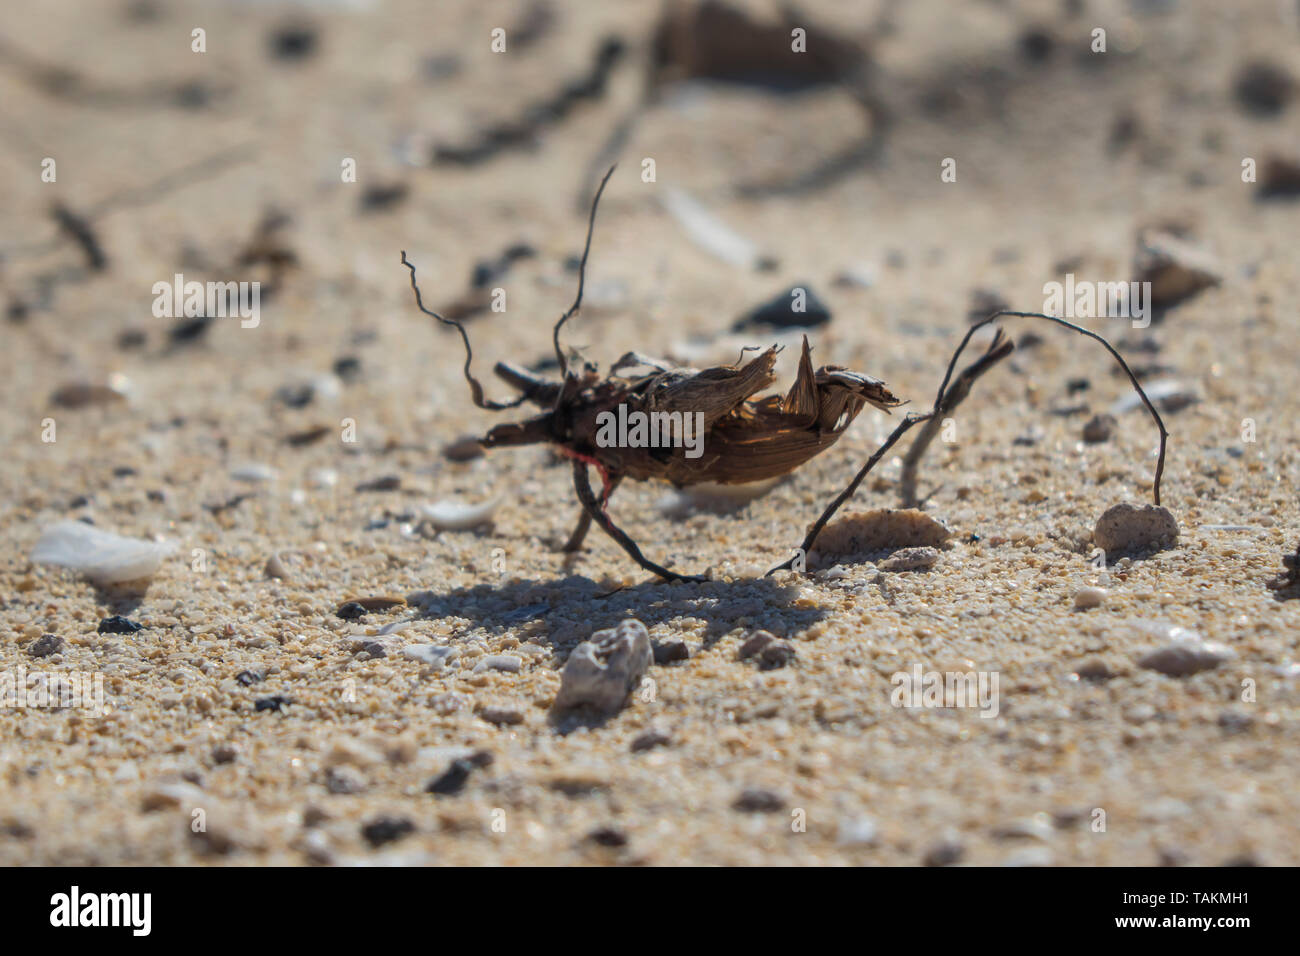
{"x": 741, "y": 437}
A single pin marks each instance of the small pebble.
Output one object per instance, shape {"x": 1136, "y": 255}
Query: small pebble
{"x": 776, "y": 655}
{"x": 344, "y": 780}
{"x": 351, "y": 611}
{"x": 499, "y": 662}
{"x": 608, "y": 837}
{"x": 910, "y": 559}
{"x": 1125, "y": 527}
{"x": 754, "y": 644}
{"x": 117, "y": 624}
{"x": 944, "y": 853}
{"x": 1184, "y": 652}
{"x": 649, "y": 739}
{"x": 1099, "y": 428}
{"x": 45, "y": 645}
{"x": 858, "y": 831}
{"x": 1089, "y": 597}
{"x": 383, "y": 830}
{"x": 502, "y": 715}
{"x": 274, "y": 703}
{"x": 758, "y": 800}
{"x": 465, "y": 448}
{"x": 667, "y": 652}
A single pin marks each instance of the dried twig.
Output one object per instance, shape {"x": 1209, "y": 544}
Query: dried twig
{"x": 949, "y": 396}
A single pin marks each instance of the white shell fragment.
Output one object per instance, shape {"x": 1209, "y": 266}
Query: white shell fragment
{"x": 708, "y": 232}
{"x": 102, "y": 556}
{"x": 450, "y": 515}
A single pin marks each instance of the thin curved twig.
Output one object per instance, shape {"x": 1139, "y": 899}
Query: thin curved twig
{"x": 582, "y": 277}
{"x": 475, "y": 387}
{"x": 1160, "y": 424}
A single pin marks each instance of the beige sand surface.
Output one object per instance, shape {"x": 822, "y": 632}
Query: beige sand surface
{"x": 1184, "y": 769}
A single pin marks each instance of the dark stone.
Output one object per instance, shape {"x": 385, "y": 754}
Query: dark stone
{"x": 117, "y": 624}
{"x": 383, "y": 830}
{"x": 779, "y": 312}
{"x": 351, "y": 611}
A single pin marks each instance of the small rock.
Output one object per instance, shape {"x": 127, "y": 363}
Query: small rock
{"x": 117, "y": 624}
{"x": 1176, "y": 269}
{"x": 1099, "y": 428}
{"x": 383, "y": 830}
{"x": 602, "y": 672}
{"x": 45, "y": 645}
{"x": 275, "y": 568}
{"x": 502, "y": 715}
{"x": 649, "y": 739}
{"x": 274, "y": 703}
{"x": 858, "y": 831}
{"x": 344, "y": 779}
{"x": 881, "y": 530}
{"x": 248, "y": 678}
{"x": 292, "y": 42}
{"x": 253, "y": 473}
{"x": 1279, "y": 178}
{"x": 1185, "y": 653}
{"x": 499, "y": 662}
{"x": 798, "y": 307}
{"x": 225, "y": 752}
{"x": 776, "y": 655}
{"x": 1263, "y": 88}
{"x": 910, "y": 559}
{"x": 944, "y": 853}
{"x": 608, "y": 836}
{"x": 453, "y": 779}
{"x": 754, "y": 644}
{"x": 758, "y": 800}
{"x": 1236, "y": 721}
{"x": 351, "y": 611}
{"x": 668, "y": 652}
{"x": 1093, "y": 668}
{"x": 1126, "y": 527}
{"x": 1089, "y": 597}
{"x": 430, "y": 654}
{"x": 465, "y": 448}
{"x": 384, "y": 483}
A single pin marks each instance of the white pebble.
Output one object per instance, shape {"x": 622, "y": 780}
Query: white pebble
{"x": 499, "y": 662}
{"x": 456, "y": 516}
{"x": 102, "y": 556}
{"x": 1090, "y": 597}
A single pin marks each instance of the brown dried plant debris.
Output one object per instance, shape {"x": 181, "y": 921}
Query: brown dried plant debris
{"x": 744, "y": 438}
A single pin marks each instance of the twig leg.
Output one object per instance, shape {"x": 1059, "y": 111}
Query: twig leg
{"x": 582, "y": 486}
{"x": 584, "y": 519}
{"x": 579, "y": 532}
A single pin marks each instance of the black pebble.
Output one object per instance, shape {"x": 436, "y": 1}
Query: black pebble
{"x": 383, "y": 196}
{"x": 271, "y": 703}
{"x": 347, "y": 367}
{"x": 351, "y": 611}
{"x": 118, "y": 625}
{"x": 248, "y": 678}
{"x": 1263, "y": 89}
{"x": 779, "y": 311}
{"x": 383, "y": 830}
{"x": 608, "y": 836}
{"x": 453, "y": 779}
{"x": 295, "y": 42}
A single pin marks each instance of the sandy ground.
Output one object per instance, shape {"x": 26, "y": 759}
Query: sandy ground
{"x": 804, "y": 764}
